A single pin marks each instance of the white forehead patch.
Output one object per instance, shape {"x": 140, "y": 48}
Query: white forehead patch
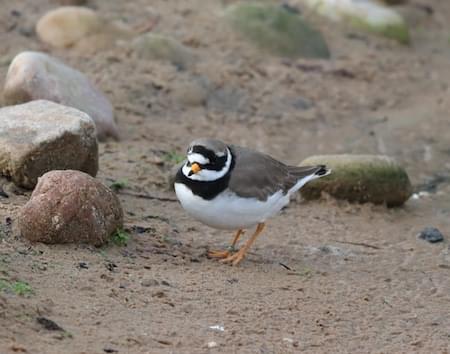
{"x": 199, "y": 158}
{"x": 204, "y": 174}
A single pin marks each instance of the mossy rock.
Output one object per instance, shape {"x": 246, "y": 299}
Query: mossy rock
{"x": 397, "y": 31}
{"x": 366, "y": 15}
{"x": 159, "y": 47}
{"x": 277, "y": 30}
{"x": 360, "y": 178}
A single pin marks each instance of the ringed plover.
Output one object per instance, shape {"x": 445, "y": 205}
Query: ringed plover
{"x": 234, "y": 188}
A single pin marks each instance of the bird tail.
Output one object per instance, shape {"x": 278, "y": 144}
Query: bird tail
{"x": 322, "y": 171}
{"x": 305, "y": 174}
{"x": 300, "y": 172}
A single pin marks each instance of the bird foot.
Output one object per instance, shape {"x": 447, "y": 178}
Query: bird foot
{"x": 222, "y": 254}
{"x": 218, "y": 254}
{"x": 235, "y": 258}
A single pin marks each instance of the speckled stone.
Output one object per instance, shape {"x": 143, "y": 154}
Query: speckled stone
{"x": 70, "y": 206}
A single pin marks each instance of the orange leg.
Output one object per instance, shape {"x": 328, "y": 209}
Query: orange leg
{"x": 225, "y": 254}
{"x": 236, "y": 258}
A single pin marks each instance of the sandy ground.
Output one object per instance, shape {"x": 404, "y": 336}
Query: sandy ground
{"x": 326, "y": 277}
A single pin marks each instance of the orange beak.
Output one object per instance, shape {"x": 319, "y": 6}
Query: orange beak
{"x": 195, "y": 168}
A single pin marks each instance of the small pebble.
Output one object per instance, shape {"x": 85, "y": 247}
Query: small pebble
{"x": 212, "y": 344}
{"x": 217, "y": 328}
{"x": 431, "y": 234}
{"x": 149, "y": 282}
{"x": 110, "y": 350}
{"x": 83, "y": 265}
{"x": 111, "y": 266}
{"x": 140, "y": 229}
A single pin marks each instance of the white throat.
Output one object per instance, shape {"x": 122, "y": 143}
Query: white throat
{"x": 204, "y": 174}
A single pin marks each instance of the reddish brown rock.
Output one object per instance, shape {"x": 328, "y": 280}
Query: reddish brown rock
{"x": 70, "y": 206}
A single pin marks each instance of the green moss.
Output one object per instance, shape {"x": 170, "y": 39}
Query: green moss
{"x": 398, "y": 31}
{"x": 174, "y": 157}
{"x": 277, "y": 30}
{"x": 360, "y": 178}
{"x": 18, "y": 287}
{"x": 118, "y": 185}
{"x": 120, "y": 237}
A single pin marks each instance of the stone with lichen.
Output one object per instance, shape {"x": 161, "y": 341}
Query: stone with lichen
{"x": 376, "y": 179}
{"x": 366, "y": 15}
{"x": 279, "y": 30}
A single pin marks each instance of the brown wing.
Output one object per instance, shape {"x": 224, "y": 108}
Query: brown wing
{"x": 258, "y": 175}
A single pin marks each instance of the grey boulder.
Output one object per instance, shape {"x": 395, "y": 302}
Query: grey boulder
{"x": 33, "y": 75}
{"x": 279, "y": 30}
{"x": 41, "y": 136}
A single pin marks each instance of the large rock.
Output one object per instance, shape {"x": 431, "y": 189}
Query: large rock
{"x": 277, "y": 30}
{"x": 66, "y": 25}
{"x": 364, "y": 14}
{"x": 191, "y": 91}
{"x": 70, "y": 206}
{"x": 34, "y": 75}
{"x": 360, "y": 178}
{"x": 159, "y": 47}
{"x": 77, "y": 26}
{"x": 41, "y": 136}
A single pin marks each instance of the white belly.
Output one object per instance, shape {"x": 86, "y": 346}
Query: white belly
{"x": 227, "y": 210}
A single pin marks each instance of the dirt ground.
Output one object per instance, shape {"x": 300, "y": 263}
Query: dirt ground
{"x": 326, "y": 277}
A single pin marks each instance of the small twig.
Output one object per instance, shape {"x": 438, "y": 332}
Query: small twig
{"x": 148, "y": 196}
{"x": 362, "y": 244}
{"x": 158, "y": 217}
{"x": 284, "y": 266}
{"x": 49, "y": 324}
